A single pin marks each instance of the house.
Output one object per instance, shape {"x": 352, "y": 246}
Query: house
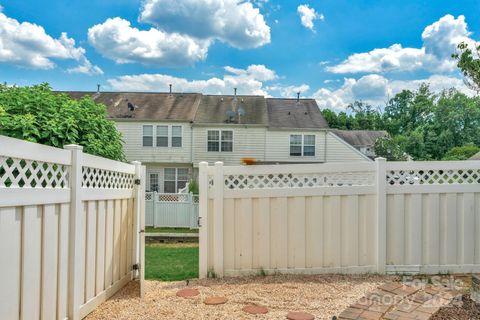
{"x": 362, "y": 140}
{"x": 171, "y": 133}
{"x": 476, "y": 156}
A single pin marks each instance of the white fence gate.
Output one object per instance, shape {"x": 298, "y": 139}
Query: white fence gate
{"x": 178, "y": 210}
{"x": 69, "y": 229}
{"x": 340, "y": 218}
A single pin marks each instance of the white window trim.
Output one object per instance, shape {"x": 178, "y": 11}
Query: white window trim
{"x": 220, "y": 140}
{"x": 169, "y": 135}
{"x": 153, "y": 135}
{"x": 302, "y": 145}
{"x": 176, "y": 177}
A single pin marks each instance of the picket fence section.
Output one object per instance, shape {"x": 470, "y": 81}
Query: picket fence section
{"x": 174, "y": 210}
{"x": 69, "y": 229}
{"x": 394, "y": 217}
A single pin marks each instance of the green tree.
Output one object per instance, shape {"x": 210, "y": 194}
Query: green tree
{"x": 390, "y": 148}
{"x": 39, "y": 115}
{"x": 461, "y": 153}
{"x": 468, "y": 61}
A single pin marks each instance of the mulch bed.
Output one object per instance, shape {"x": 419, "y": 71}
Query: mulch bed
{"x": 464, "y": 310}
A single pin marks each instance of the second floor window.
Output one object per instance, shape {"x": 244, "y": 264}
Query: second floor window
{"x": 165, "y": 136}
{"x": 220, "y": 140}
{"x": 162, "y": 136}
{"x": 302, "y": 145}
{"x": 176, "y": 136}
{"x": 147, "y": 136}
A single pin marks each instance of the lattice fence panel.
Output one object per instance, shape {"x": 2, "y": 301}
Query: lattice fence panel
{"x": 433, "y": 177}
{"x": 270, "y": 181}
{"x": 95, "y": 178}
{"x": 173, "y": 197}
{"x": 22, "y": 173}
{"x": 148, "y": 196}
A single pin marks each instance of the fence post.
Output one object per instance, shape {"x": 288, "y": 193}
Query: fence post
{"x": 154, "y": 206}
{"x": 218, "y": 219}
{"x": 76, "y": 229}
{"x": 203, "y": 219}
{"x": 136, "y": 216}
{"x": 381, "y": 237}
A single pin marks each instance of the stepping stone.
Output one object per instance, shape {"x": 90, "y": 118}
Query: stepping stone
{"x": 254, "y": 309}
{"x": 300, "y": 316}
{"x": 212, "y": 301}
{"x": 188, "y": 293}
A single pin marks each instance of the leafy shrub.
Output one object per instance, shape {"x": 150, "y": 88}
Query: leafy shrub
{"x": 38, "y": 114}
{"x": 461, "y": 153}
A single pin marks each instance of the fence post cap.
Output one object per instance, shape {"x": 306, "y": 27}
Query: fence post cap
{"x": 135, "y": 162}
{"x": 73, "y": 147}
{"x": 380, "y": 159}
{"x": 203, "y": 164}
{"x": 218, "y": 164}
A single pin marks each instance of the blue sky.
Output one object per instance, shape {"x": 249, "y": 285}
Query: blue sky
{"x": 333, "y": 50}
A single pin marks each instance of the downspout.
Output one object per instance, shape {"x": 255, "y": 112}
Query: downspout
{"x": 191, "y": 143}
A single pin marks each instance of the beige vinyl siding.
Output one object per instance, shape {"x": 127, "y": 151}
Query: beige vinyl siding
{"x": 278, "y": 146}
{"x": 248, "y": 142}
{"x": 340, "y": 151}
{"x": 132, "y": 137}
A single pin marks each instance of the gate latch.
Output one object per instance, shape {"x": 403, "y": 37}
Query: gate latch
{"x": 199, "y": 222}
{"x": 137, "y": 182}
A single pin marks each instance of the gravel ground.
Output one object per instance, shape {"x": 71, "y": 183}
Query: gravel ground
{"x": 323, "y": 296}
{"x": 464, "y": 310}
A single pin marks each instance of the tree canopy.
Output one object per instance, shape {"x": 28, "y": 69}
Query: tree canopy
{"x": 422, "y": 125}
{"x": 468, "y": 61}
{"x": 39, "y": 115}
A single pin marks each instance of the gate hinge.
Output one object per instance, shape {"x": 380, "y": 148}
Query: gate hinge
{"x": 137, "y": 182}
{"x": 199, "y": 222}
{"x": 135, "y": 266}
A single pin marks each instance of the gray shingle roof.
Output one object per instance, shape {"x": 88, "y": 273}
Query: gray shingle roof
{"x": 358, "y": 138}
{"x": 146, "y": 106}
{"x": 213, "y": 109}
{"x": 290, "y": 113}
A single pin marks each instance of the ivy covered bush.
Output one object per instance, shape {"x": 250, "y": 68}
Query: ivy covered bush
{"x": 38, "y": 114}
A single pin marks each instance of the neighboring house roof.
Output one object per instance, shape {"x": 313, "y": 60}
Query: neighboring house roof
{"x": 146, "y": 106}
{"x": 476, "y": 156}
{"x": 293, "y": 113}
{"x": 217, "y": 108}
{"x": 359, "y": 138}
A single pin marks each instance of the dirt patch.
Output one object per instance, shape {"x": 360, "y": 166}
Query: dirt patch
{"x": 322, "y": 295}
{"x": 466, "y": 309}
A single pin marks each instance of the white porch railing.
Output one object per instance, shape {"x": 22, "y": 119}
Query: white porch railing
{"x": 175, "y": 210}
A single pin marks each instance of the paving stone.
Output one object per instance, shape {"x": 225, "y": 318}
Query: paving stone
{"x": 422, "y": 297}
{"x": 295, "y": 315}
{"x": 427, "y": 309}
{"x": 390, "y": 287}
{"x": 255, "y": 309}
{"x": 188, "y": 293}
{"x": 348, "y": 316}
{"x": 421, "y": 315}
{"x": 379, "y": 307}
{"x": 212, "y": 301}
{"x": 370, "y": 315}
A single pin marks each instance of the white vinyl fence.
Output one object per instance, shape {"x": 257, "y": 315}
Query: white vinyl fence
{"x": 178, "y": 210}
{"x": 69, "y": 229}
{"x": 395, "y": 217}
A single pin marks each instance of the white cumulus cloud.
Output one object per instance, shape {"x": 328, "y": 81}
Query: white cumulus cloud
{"x": 439, "y": 42}
{"x": 117, "y": 40}
{"x": 376, "y": 89}
{"x": 308, "y": 16}
{"x": 237, "y": 23}
{"x": 248, "y": 81}
{"x": 27, "y": 45}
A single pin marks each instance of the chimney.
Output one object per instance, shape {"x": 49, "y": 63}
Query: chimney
{"x": 298, "y": 96}
{"x": 235, "y": 92}
{"x": 170, "y": 86}
{"x": 98, "y": 88}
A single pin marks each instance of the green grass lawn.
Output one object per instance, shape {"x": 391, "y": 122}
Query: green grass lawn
{"x": 171, "y": 262}
{"x": 170, "y": 230}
